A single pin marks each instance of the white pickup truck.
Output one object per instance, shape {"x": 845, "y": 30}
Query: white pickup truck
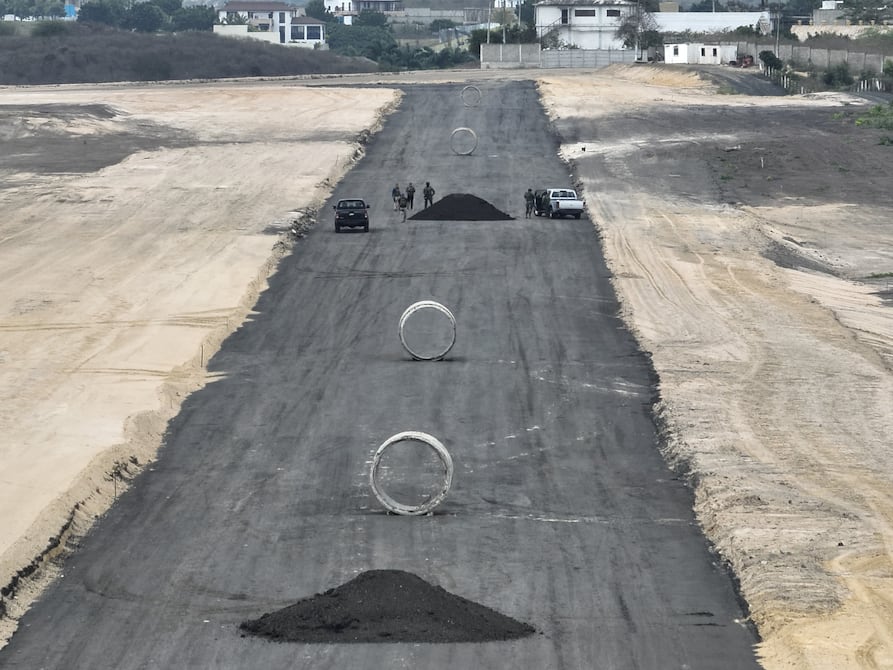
{"x": 557, "y": 202}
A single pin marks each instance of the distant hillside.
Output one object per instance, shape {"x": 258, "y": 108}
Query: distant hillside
{"x": 70, "y": 53}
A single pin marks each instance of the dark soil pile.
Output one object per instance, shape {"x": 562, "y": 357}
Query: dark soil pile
{"x": 387, "y": 606}
{"x": 461, "y": 207}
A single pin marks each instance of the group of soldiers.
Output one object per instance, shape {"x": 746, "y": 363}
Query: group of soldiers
{"x": 406, "y": 199}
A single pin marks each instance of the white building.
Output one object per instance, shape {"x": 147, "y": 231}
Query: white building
{"x": 700, "y": 53}
{"x": 273, "y": 22}
{"x": 586, "y": 24}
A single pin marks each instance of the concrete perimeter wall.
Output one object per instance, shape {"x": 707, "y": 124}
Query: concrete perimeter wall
{"x": 857, "y": 61}
{"x": 805, "y": 32}
{"x": 496, "y": 56}
{"x": 505, "y": 56}
{"x": 586, "y": 58}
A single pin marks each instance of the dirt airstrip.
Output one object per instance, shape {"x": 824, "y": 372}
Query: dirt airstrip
{"x": 749, "y": 238}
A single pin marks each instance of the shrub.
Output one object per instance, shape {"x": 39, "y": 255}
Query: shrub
{"x": 879, "y": 116}
{"x": 837, "y": 76}
{"x": 770, "y": 60}
{"x": 441, "y": 24}
{"x": 49, "y": 29}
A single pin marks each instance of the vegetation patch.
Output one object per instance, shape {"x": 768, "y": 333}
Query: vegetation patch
{"x": 93, "y": 54}
{"x": 879, "y": 116}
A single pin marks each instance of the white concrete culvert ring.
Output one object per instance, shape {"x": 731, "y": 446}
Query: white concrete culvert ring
{"x": 427, "y": 304}
{"x": 471, "y": 96}
{"x": 412, "y": 510}
{"x": 459, "y": 142}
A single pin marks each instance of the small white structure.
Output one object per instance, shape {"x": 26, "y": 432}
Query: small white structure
{"x": 700, "y": 54}
{"x": 587, "y": 24}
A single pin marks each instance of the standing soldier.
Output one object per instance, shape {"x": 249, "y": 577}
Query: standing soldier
{"x": 401, "y": 203}
{"x": 395, "y": 195}
{"x": 410, "y": 195}
{"x": 529, "y": 197}
{"x": 428, "y": 192}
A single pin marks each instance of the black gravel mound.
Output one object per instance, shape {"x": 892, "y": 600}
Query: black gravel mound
{"x": 461, "y": 207}
{"x": 386, "y": 606}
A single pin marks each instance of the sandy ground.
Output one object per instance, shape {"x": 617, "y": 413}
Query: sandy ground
{"x": 776, "y": 383}
{"x": 124, "y": 267}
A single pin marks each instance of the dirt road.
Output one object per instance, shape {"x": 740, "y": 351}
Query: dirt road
{"x": 563, "y": 514}
{"x": 749, "y": 243}
{"x": 137, "y": 233}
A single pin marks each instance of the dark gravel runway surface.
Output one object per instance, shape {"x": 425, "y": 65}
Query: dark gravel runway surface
{"x": 562, "y": 514}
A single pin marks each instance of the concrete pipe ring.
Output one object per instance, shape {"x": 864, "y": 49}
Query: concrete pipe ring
{"x": 460, "y": 144}
{"x": 471, "y": 96}
{"x": 427, "y": 304}
{"x": 412, "y": 510}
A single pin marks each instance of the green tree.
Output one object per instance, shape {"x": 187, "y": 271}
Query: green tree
{"x": 868, "y": 10}
{"x": 198, "y": 17}
{"x": 371, "y": 19}
{"x": 707, "y": 6}
{"x": 316, "y": 9}
{"x": 367, "y": 41}
{"x": 50, "y": 29}
{"x": 145, "y": 17}
{"x": 802, "y": 8}
{"x": 169, "y": 7}
{"x": 108, "y": 12}
{"x": 527, "y": 13}
{"x": 22, "y": 8}
{"x": 634, "y": 28}
{"x": 441, "y": 24}
{"x": 771, "y": 60}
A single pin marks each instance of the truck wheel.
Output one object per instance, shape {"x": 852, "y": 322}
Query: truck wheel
{"x": 552, "y": 213}
{"x": 576, "y": 216}
{"x": 337, "y": 228}
{"x": 366, "y": 227}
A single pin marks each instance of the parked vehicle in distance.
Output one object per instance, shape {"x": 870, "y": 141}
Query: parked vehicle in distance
{"x": 557, "y": 202}
{"x": 351, "y": 213}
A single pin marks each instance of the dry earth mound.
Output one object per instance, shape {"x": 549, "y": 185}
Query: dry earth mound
{"x": 461, "y": 207}
{"x": 387, "y": 606}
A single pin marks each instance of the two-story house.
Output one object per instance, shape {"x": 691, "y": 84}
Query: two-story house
{"x": 274, "y": 22}
{"x": 587, "y": 24}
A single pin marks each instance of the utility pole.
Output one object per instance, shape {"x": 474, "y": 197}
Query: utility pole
{"x": 503, "y": 21}
{"x": 489, "y": 19}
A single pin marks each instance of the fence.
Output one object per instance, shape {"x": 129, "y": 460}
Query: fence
{"x": 797, "y": 85}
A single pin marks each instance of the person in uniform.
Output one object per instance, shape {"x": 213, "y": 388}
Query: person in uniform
{"x": 529, "y": 198}
{"x": 395, "y": 195}
{"x": 401, "y": 204}
{"x": 410, "y": 195}
{"x": 428, "y": 193}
